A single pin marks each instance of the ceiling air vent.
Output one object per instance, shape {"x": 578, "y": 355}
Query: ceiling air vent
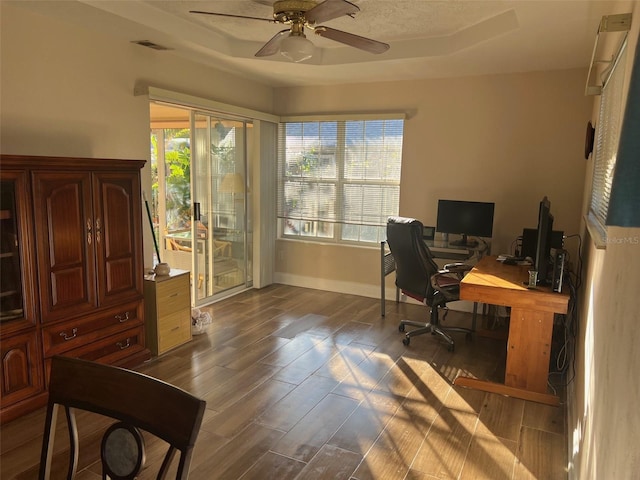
{"x": 150, "y": 44}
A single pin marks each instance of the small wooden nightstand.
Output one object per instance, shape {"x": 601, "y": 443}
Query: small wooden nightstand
{"x": 167, "y": 305}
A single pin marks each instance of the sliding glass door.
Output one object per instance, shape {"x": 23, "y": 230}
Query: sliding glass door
{"x": 219, "y": 187}
{"x": 199, "y": 165}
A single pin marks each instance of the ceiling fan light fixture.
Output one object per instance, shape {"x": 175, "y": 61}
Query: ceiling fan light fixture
{"x": 296, "y": 47}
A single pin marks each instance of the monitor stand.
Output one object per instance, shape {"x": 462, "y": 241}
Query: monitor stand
{"x": 464, "y": 242}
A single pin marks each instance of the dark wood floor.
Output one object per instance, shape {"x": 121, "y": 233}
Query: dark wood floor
{"x": 307, "y": 384}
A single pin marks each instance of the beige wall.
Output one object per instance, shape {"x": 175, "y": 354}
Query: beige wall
{"x": 508, "y": 139}
{"x": 604, "y": 419}
{"x": 68, "y": 91}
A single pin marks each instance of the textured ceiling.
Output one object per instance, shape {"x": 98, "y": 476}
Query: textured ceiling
{"x": 428, "y": 39}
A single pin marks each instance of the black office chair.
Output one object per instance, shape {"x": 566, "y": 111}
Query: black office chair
{"x": 419, "y": 277}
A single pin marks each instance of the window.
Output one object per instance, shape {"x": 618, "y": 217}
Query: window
{"x": 607, "y": 138}
{"x": 339, "y": 180}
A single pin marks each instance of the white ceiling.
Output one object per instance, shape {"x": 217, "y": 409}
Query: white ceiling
{"x": 428, "y": 38}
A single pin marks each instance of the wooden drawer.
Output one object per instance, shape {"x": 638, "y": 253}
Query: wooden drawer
{"x": 126, "y": 349}
{"x": 173, "y": 330}
{"x": 65, "y": 336}
{"x": 111, "y": 350}
{"x": 173, "y": 295}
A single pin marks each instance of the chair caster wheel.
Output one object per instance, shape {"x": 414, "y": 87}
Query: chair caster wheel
{"x": 401, "y": 327}
{"x": 406, "y": 340}
{"x": 451, "y": 348}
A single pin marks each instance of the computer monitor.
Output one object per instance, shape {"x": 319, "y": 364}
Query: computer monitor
{"x": 465, "y": 218}
{"x": 542, "y": 259}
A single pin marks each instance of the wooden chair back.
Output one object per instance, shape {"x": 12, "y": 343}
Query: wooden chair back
{"x": 173, "y": 245}
{"x": 136, "y": 401}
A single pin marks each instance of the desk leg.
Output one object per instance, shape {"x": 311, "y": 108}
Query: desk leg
{"x": 529, "y": 349}
{"x": 528, "y": 353}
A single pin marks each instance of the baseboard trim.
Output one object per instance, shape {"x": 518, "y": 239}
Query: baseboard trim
{"x": 354, "y": 288}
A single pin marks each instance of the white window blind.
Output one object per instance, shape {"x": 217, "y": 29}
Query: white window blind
{"x": 339, "y": 180}
{"x": 607, "y": 139}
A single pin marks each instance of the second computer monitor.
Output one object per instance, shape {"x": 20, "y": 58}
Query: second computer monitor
{"x": 544, "y": 235}
{"x": 464, "y": 218}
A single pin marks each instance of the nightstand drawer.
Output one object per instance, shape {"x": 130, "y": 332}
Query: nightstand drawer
{"x": 173, "y": 330}
{"x": 173, "y": 295}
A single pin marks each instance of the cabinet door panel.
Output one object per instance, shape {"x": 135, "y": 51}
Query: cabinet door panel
{"x": 119, "y": 251}
{"x": 21, "y": 368}
{"x": 17, "y": 305}
{"x": 65, "y": 239}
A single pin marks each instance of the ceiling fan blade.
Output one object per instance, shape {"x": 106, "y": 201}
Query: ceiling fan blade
{"x": 271, "y": 20}
{"x": 272, "y": 46}
{"x": 330, "y": 9}
{"x": 363, "y": 43}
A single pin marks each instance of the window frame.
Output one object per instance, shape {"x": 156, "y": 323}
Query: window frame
{"x": 339, "y": 182}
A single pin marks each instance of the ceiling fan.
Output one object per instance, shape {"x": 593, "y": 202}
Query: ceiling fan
{"x": 292, "y": 42}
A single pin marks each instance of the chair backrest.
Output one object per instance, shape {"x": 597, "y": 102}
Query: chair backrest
{"x": 136, "y": 400}
{"x": 414, "y": 264}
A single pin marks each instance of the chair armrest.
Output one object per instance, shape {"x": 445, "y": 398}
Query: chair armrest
{"x": 459, "y": 268}
{"x": 442, "y": 280}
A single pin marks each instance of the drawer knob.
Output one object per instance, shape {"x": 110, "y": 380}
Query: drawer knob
{"x": 122, "y": 317}
{"x": 66, "y": 336}
{"x": 123, "y": 345}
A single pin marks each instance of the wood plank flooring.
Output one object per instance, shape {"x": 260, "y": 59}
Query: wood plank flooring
{"x": 306, "y": 384}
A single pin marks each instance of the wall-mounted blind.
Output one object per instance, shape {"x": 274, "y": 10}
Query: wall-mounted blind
{"x": 607, "y": 139}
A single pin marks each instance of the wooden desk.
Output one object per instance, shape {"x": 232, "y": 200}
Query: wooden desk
{"x": 530, "y": 327}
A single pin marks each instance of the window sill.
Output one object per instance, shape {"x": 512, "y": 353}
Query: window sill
{"x": 325, "y": 243}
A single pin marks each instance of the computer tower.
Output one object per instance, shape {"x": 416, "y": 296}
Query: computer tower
{"x": 559, "y": 267}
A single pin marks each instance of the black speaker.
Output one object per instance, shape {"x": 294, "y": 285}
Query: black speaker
{"x": 529, "y": 239}
{"x": 559, "y": 267}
